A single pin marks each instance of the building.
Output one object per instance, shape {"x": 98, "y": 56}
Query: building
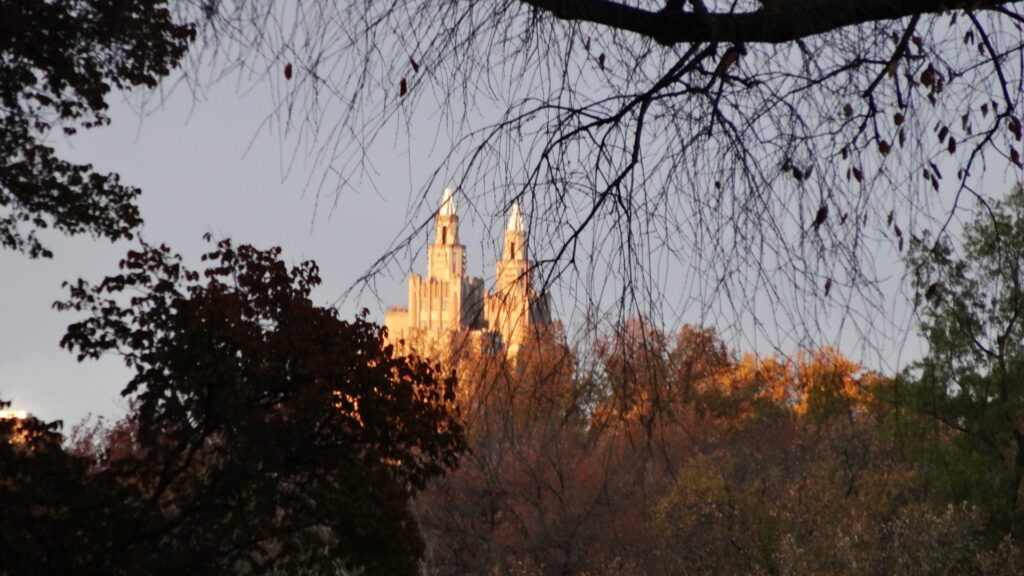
{"x": 13, "y": 434}
{"x": 448, "y": 310}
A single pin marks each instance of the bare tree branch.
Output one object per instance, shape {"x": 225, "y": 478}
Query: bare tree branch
{"x": 774, "y": 23}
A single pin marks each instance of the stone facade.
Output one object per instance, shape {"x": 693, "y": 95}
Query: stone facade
{"x": 448, "y": 310}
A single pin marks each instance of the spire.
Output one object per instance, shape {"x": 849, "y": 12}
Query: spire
{"x": 515, "y": 238}
{"x": 515, "y": 220}
{"x": 446, "y": 257}
{"x": 447, "y": 204}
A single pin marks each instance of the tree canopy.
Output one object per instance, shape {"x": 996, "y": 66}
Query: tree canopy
{"x": 59, "y": 62}
{"x": 770, "y": 148}
{"x": 657, "y": 453}
{"x": 266, "y": 436}
{"x": 971, "y": 381}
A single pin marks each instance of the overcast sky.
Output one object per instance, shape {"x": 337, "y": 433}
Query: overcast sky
{"x": 207, "y": 167}
{"x": 201, "y": 170}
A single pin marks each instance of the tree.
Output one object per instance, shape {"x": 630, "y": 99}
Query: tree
{"x": 56, "y": 515}
{"x": 59, "y": 62}
{"x": 695, "y": 460}
{"x": 536, "y": 492}
{"x": 972, "y": 379}
{"x": 770, "y": 150}
{"x": 267, "y": 436}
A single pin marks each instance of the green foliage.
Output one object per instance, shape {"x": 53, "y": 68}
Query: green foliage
{"x": 59, "y": 62}
{"x": 267, "y": 436}
{"x": 971, "y": 383}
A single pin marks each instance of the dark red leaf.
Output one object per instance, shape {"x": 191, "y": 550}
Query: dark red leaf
{"x": 820, "y": 217}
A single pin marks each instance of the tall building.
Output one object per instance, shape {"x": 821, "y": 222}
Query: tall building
{"x": 447, "y": 309}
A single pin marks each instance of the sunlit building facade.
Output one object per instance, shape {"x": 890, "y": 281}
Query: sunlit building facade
{"x": 448, "y": 310}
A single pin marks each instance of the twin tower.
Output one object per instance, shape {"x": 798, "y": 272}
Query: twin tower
{"x": 448, "y": 310}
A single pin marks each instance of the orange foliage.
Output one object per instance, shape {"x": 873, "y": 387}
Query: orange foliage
{"x": 811, "y": 381}
{"x": 649, "y": 378}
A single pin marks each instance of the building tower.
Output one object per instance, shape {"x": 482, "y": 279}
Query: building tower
{"x": 446, "y": 302}
{"x": 513, "y": 309}
{"x": 446, "y": 258}
{"x": 447, "y": 309}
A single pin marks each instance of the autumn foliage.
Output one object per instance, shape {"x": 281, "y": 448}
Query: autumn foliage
{"x": 657, "y": 453}
{"x": 267, "y": 436}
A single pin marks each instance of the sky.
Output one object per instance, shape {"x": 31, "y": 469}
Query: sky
{"x": 209, "y": 165}
{"x": 203, "y": 167}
